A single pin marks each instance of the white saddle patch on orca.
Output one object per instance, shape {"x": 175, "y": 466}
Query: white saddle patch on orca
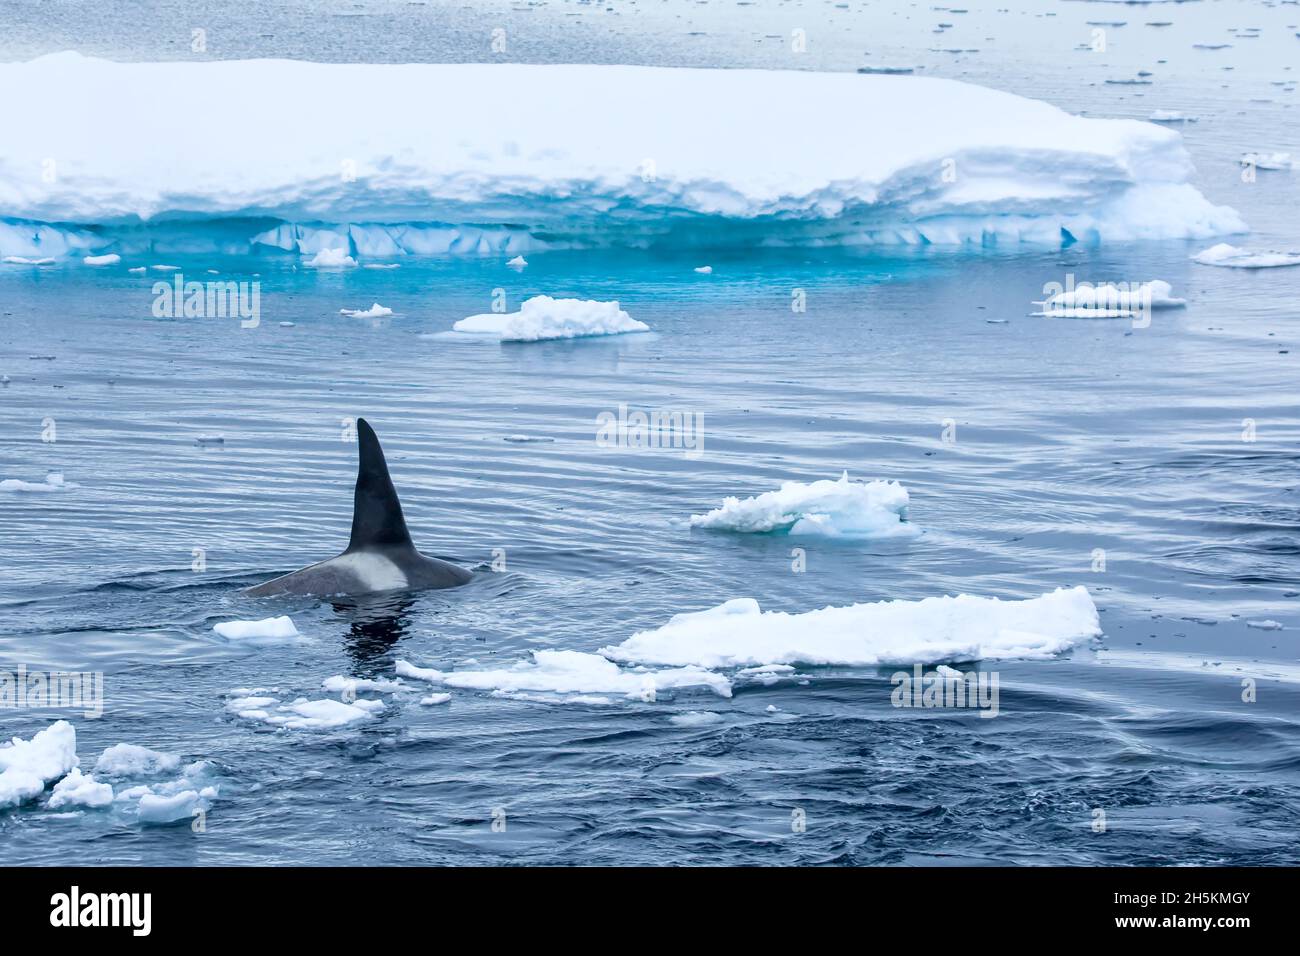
{"x": 373, "y": 572}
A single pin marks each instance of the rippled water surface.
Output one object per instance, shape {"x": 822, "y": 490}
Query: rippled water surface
{"x": 1071, "y": 436}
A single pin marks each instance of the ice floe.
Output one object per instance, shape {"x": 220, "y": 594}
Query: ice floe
{"x": 111, "y": 259}
{"x": 542, "y": 317}
{"x": 1270, "y": 161}
{"x": 1111, "y": 300}
{"x": 696, "y": 718}
{"x": 963, "y": 628}
{"x": 1025, "y": 171}
{"x": 376, "y": 311}
{"x": 132, "y": 760}
{"x": 831, "y": 508}
{"x": 53, "y": 482}
{"x": 271, "y": 628}
{"x": 80, "y": 790}
{"x": 304, "y": 714}
{"x": 1234, "y": 257}
{"x": 1171, "y": 116}
{"x": 27, "y": 766}
{"x": 572, "y": 672}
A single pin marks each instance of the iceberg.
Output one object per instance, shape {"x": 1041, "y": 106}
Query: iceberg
{"x": 541, "y": 318}
{"x": 527, "y": 156}
{"x": 738, "y": 633}
{"x": 872, "y": 509}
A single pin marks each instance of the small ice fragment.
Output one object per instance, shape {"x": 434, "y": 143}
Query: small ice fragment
{"x": 518, "y": 262}
{"x": 331, "y": 259}
{"x": 374, "y": 312}
{"x": 271, "y": 627}
{"x": 704, "y": 270}
{"x": 434, "y": 699}
{"x": 111, "y": 259}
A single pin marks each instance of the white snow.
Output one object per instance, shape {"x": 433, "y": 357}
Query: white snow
{"x": 331, "y": 259}
{"x": 271, "y": 628}
{"x": 111, "y": 259}
{"x": 963, "y": 628}
{"x": 831, "y": 508}
{"x": 571, "y": 672}
{"x": 867, "y": 166}
{"x": 80, "y": 790}
{"x": 26, "y": 766}
{"x": 132, "y": 760}
{"x": 1235, "y": 257}
{"x": 1112, "y": 299}
{"x": 542, "y": 317}
{"x": 376, "y": 311}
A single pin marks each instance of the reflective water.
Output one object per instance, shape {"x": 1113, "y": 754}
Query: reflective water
{"x": 1071, "y": 436}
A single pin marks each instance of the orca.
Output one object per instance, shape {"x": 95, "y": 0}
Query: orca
{"x": 380, "y": 555}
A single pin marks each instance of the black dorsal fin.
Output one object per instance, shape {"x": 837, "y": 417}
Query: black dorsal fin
{"x": 376, "y": 513}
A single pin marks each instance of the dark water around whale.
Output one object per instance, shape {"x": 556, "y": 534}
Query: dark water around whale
{"x": 1072, "y": 436}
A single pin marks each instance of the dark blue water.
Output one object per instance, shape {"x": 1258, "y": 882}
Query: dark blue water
{"x": 1071, "y": 436}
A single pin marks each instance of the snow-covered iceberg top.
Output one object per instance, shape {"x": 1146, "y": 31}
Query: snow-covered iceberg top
{"x": 963, "y": 628}
{"x": 541, "y": 318}
{"x": 833, "y": 508}
{"x": 500, "y": 154}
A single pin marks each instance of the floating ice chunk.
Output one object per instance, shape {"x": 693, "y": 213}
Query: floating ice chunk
{"x": 1113, "y": 299}
{"x": 352, "y": 685}
{"x": 331, "y": 259}
{"x": 1171, "y": 116}
{"x": 964, "y": 628}
{"x": 25, "y": 261}
{"x": 704, "y": 270}
{"x": 831, "y": 508}
{"x": 542, "y": 317}
{"x": 165, "y": 268}
{"x": 26, "y": 766}
{"x": 137, "y": 269}
{"x": 111, "y": 259}
{"x": 53, "y": 482}
{"x": 434, "y": 699}
{"x": 572, "y": 672}
{"x": 1268, "y": 160}
{"x": 1265, "y": 625}
{"x": 80, "y": 790}
{"x": 374, "y": 312}
{"x": 696, "y": 718}
{"x": 159, "y": 809}
{"x": 326, "y": 714}
{"x": 518, "y": 262}
{"x": 271, "y": 628}
{"x": 132, "y": 760}
{"x": 382, "y": 265}
{"x": 1234, "y": 257}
